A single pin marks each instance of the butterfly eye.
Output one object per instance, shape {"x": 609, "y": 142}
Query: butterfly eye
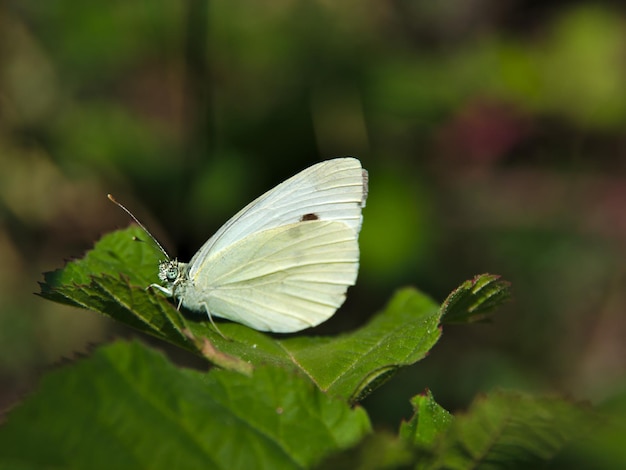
{"x": 172, "y": 273}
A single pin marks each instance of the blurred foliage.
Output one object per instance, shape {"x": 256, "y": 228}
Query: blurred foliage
{"x": 127, "y": 397}
{"x": 493, "y": 134}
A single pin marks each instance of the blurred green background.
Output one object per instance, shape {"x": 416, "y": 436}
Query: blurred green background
{"x": 493, "y": 132}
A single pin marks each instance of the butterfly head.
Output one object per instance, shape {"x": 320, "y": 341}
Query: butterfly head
{"x": 171, "y": 271}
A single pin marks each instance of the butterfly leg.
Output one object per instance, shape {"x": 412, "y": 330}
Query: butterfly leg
{"x": 206, "y": 307}
{"x": 165, "y": 290}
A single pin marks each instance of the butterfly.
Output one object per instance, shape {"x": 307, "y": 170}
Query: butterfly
{"x": 285, "y": 261}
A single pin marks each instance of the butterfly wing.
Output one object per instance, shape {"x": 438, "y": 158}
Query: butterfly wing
{"x": 331, "y": 190}
{"x": 282, "y": 279}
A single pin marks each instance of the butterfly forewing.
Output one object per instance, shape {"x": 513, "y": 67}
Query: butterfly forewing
{"x": 331, "y": 190}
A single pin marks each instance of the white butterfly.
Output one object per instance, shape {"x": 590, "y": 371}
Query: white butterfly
{"x": 285, "y": 261}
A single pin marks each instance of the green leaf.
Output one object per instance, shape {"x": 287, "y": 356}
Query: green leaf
{"x": 354, "y": 364}
{"x": 112, "y": 279}
{"x": 349, "y": 365}
{"x": 507, "y": 430}
{"x": 128, "y": 407}
{"x": 475, "y": 299}
{"x": 429, "y": 421}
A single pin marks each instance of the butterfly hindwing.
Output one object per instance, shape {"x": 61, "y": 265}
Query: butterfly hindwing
{"x": 283, "y": 279}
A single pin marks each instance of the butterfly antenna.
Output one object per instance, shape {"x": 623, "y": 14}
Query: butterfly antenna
{"x": 114, "y": 201}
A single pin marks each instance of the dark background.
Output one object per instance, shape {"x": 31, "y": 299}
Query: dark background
{"x": 493, "y": 132}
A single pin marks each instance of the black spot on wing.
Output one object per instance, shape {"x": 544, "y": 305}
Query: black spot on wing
{"x": 310, "y": 216}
